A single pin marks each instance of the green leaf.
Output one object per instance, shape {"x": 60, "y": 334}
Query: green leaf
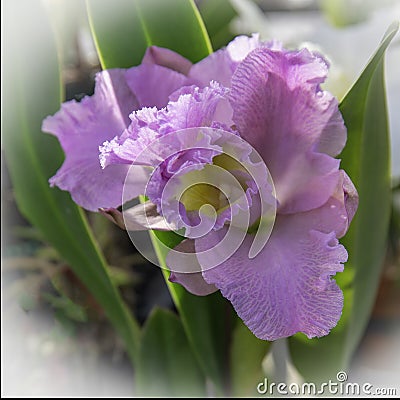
{"x": 123, "y": 29}
{"x": 217, "y": 16}
{"x": 366, "y": 159}
{"x": 33, "y": 91}
{"x": 247, "y": 355}
{"x": 118, "y": 35}
{"x": 167, "y": 366}
{"x": 175, "y": 24}
{"x": 207, "y": 320}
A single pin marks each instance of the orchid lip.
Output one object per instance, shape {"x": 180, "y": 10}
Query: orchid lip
{"x": 229, "y": 186}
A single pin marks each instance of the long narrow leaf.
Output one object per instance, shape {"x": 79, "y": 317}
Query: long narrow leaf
{"x": 217, "y": 16}
{"x": 175, "y": 24}
{"x": 206, "y": 320}
{"x": 117, "y": 32}
{"x": 167, "y": 366}
{"x": 366, "y": 159}
{"x": 33, "y": 91}
{"x": 247, "y": 355}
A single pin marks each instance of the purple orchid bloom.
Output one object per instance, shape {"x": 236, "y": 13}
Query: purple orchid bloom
{"x": 254, "y": 111}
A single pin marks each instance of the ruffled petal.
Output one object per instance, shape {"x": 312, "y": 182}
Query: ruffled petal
{"x": 81, "y": 128}
{"x": 191, "y": 107}
{"x": 279, "y": 108}
{"x": 195, "y": 107}
{"x": 286, "y": 289}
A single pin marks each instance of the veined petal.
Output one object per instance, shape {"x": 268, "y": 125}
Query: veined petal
{"x": 288, "y": 287}
{"x": 279, "y": 108}
{"x": 81, "y": 128}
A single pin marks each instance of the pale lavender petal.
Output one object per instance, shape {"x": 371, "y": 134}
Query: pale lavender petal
{"x": 81, "y": 128}
{"x": 221, "y": 65}
{"x": 286, "y": 289}
{"x": 133, "y": 145}
{"x": 297, "y": 128}
{"x": 193, "y": 282}
{"x": 153, "y": 84}
{"x": 304, "y": 67}
{"x": 217, "y": 66}
{"x": 196, "y": 108}
{"x": 335, "y": 215}
{"x": 241, "y": 46}
{"x": 167, "y": 58}
{"x": 90, "y": 186}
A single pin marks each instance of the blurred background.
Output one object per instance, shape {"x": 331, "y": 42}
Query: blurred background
{"x": 56, "y": 338}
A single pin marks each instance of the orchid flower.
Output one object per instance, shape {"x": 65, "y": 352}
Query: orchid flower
{"x": 243, "y": 143}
